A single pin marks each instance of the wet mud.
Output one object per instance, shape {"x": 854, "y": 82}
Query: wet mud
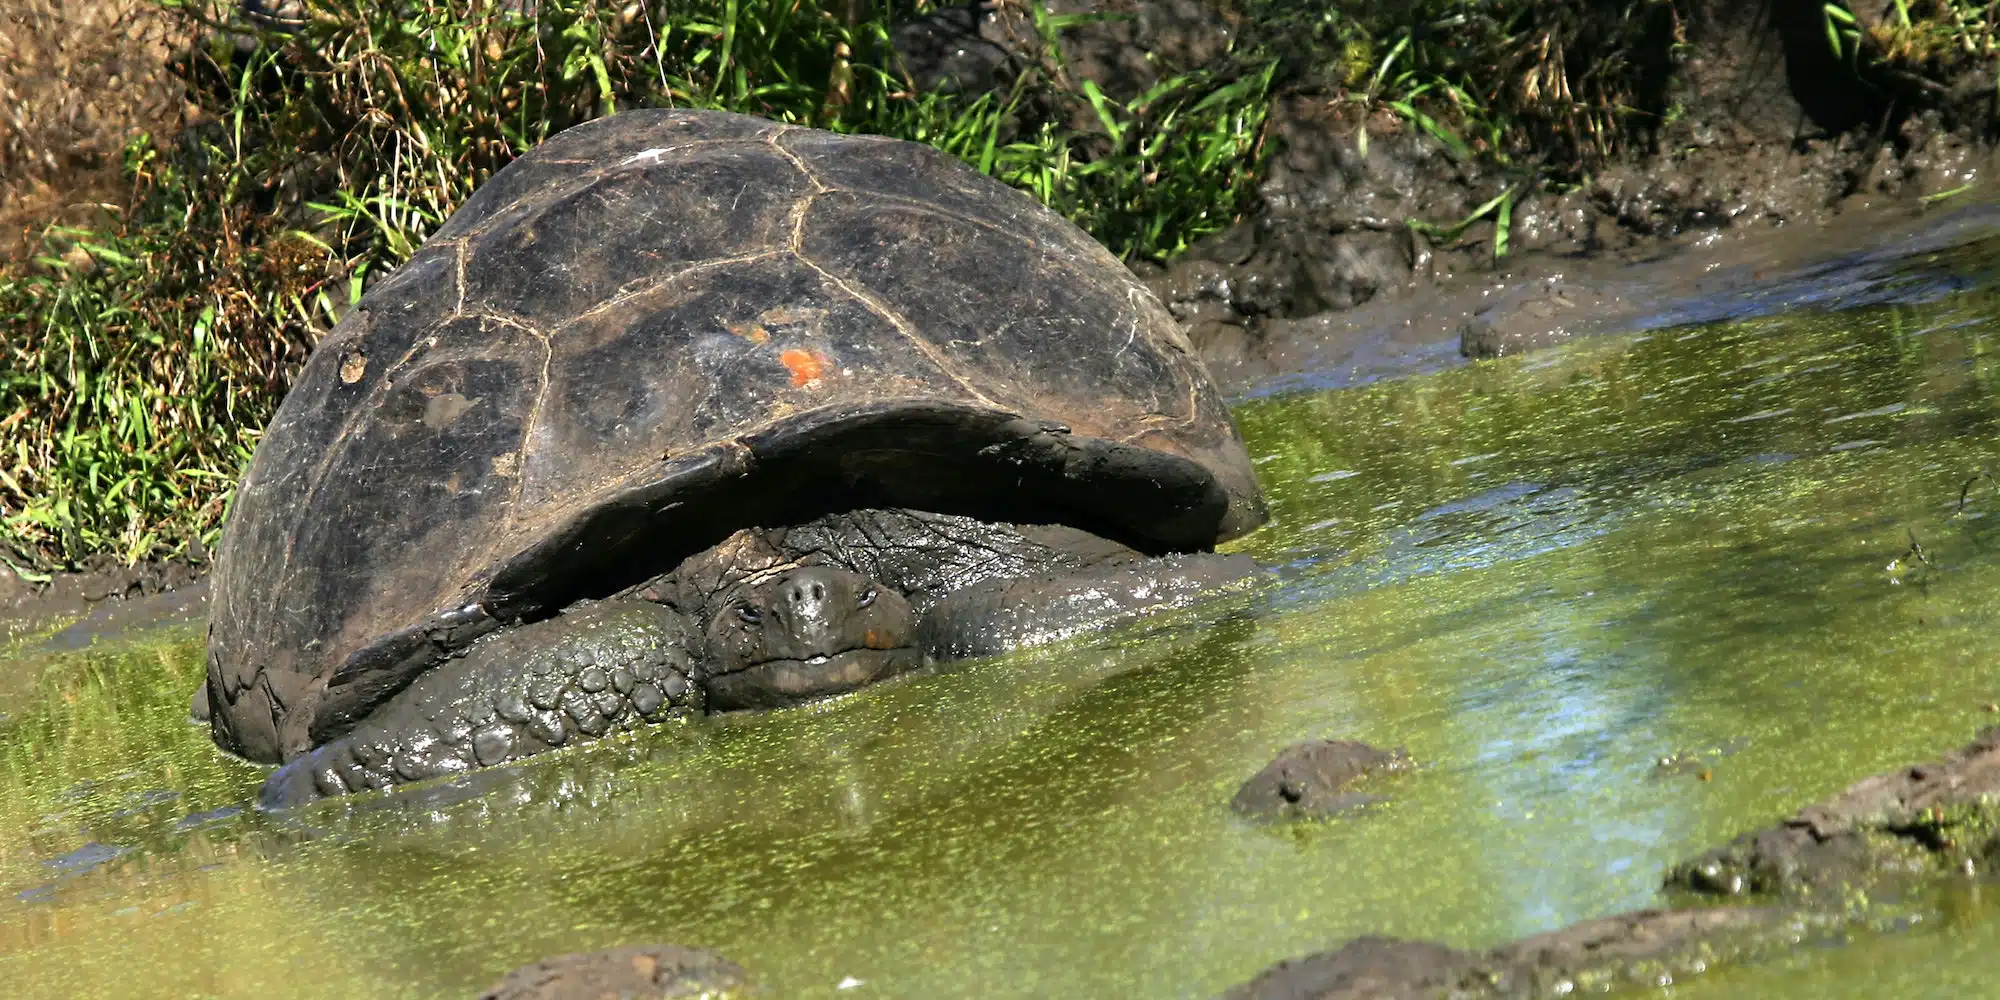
{"x": 1884, "y": 837}
{"x": 1645, "y": 948}
{"x": 1769, "y": 140}
{"x": 104, "y": 599}
{"x": 1889, "y": 839}
{"x": 1327, "y": 274}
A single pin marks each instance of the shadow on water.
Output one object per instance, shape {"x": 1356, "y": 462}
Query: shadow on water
{"x": 1543, "y": 576}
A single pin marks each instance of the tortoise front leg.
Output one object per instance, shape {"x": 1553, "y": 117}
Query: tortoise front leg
{"x": 574, "y": 678}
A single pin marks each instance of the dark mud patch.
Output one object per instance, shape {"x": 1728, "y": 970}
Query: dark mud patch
{"x": 1369, "y": 251}
{"x": 1884, "y": 842}
{"x": 1885, "y": 836}
{"x": 1897, "y": 253}
{"x": 1317, "y": 779}
{"x": 641, "y": 971}
{"x": 1642, "y": 948}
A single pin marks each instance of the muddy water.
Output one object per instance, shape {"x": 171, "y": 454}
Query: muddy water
{"x": 1544, "y": 576}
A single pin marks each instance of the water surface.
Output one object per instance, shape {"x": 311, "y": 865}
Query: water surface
{"x": 1541, "y": 576}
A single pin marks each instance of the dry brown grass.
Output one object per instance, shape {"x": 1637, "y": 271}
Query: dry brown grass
{"x": 77, "y": 81}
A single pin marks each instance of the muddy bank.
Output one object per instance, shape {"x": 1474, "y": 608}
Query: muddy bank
{"x": 1884, "y": 254}
{"x": 1329, "y": 264}
{"x": 1759, "y": 133}
{"x": 1645, "y": 948}
{"x": 104, "y": 598}
{"x": 1881, "y": 843}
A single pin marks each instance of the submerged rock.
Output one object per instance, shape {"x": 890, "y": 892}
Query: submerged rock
{"x": 1310, "y": 780}
{"x": 1534, "y": 314}
{"x": 639, "y": 972}
{"x": 1367, "y": 968}
{"x": 1641, "y": 948}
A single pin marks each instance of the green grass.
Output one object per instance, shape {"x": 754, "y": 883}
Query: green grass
{"x": 1564, "y": 85}
{"x": 1916, "y": 49}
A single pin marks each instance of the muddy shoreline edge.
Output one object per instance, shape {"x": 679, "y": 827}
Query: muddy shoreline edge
{"x": 1886, "y": 840}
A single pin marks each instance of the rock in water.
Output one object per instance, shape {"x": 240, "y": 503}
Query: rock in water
{"x": 638, "y": 972}
{"x": 1313, "y": 779}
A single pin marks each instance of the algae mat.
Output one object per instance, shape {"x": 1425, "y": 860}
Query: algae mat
{"x": 1621, "y": 601}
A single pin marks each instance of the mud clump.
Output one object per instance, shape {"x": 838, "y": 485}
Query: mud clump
{"x": 1641, "y": 948}
{"x": 1315, "y": 780}
{"x": 640, "y": 972}
{"x": 1890, "y": 832}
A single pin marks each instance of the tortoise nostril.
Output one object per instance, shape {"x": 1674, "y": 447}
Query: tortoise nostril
{"x": 818, "y": 592}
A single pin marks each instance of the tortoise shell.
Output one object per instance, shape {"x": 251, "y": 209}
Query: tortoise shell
{"x": 664, "y": 326}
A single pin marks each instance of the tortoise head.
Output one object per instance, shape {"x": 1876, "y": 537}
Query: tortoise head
{"x": 806, "y": 633}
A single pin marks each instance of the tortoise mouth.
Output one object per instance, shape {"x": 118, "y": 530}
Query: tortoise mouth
{"x": 777, "y": 683}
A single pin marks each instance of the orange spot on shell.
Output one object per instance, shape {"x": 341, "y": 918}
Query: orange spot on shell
{"x": 806, "y": 366}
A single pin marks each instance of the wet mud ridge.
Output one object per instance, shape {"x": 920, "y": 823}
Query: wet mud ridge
{"x": 103, "y": 599}
{"x": 1886, "y": 840}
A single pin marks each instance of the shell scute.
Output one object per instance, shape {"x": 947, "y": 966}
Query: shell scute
{"x": 1028, "y": 341}
{"x": 629, "y": 225}
{"x": 731, "y": 332}
{"x": 573, "y": 157}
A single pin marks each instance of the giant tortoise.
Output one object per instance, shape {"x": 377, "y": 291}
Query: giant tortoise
{"x": 690, "y": 411}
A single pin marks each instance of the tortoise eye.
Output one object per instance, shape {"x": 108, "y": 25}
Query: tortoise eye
{"x": 867, "y": 597}
{"x": 749, "y": 613}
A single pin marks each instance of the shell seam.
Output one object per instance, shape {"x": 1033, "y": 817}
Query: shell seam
{"x": 902, "y": 326}
{"x": 954, "y": 216}
{"x": 461, "y": 252}
{"x": 663, "y": 281}
{"x": 541, "y": 394}
{"x": 796, "y": 240}
{"x": 924, "y": 347}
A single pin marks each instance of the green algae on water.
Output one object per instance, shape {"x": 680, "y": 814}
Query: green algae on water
{"x": 1542, "y": 576}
